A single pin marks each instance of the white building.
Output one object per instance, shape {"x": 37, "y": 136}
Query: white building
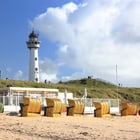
{"x": 11, "y": 97}
{"x": 33, "y": 44}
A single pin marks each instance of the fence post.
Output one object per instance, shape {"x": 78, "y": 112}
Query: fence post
{"x": 4, "y": 100}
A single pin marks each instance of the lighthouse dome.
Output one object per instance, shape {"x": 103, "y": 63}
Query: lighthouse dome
{"x": 33, "y": 35}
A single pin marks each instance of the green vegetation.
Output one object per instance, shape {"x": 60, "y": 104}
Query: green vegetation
{"x": 95, "y": 88}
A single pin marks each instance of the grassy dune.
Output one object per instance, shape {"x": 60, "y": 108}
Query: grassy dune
{"x": 96, "y": 88}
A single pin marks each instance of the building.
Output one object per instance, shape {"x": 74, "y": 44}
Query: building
{"x": 11, "y": 97}
{"x": 33, "y": 44}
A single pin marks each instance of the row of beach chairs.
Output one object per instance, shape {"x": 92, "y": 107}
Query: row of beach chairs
{"x": 33, "y": 107}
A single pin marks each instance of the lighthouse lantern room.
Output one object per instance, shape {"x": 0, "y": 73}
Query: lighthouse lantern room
{"x": 33, "y": 44}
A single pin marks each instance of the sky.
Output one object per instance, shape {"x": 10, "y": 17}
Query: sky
{"x": 79, "y": 38}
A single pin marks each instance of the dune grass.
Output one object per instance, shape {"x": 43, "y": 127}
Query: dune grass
{"x": 96, "y": 88}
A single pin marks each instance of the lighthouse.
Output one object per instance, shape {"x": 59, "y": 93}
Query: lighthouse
{"x": 33, "y": 44}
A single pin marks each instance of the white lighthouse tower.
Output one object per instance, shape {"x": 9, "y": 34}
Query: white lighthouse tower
{"x": 33, "y": 44}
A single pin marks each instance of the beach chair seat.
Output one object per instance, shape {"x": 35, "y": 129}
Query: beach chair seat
{"x": 102, "y": 109}
{"x": 63, "y": 109}
{"x": 54, "y": 107}
{"x": 128, "y": 109}
{"x": 30, "y": 107}
{"x": 75, "y": 108}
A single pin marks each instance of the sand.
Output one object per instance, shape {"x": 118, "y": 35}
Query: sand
{"x": 86, "y": 127}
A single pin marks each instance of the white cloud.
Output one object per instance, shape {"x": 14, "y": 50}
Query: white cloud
{"x": 94, "y": 36}
{"x": 126, "y": 28}
{"x": 48, "y": 70}
{"x": 18, "y": 75}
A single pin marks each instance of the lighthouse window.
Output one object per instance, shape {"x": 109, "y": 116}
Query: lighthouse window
{"x": 35, "y": 58}
{"x": 36, "y": 79}
{"x": 36, "y": 69}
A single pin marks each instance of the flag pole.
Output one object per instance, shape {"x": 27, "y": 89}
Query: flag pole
{"x": 117, "y": 80}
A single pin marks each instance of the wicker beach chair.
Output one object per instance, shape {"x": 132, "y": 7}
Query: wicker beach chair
{"x": 128, "y": 109}
{"x": 75, "y": 108}
{"x": 30, "y": 107}
{"x": 102, "y": 109}
{"x": 54, "y": 107}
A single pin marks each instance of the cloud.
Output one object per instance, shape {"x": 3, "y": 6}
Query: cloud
{"x": 126, "y": 28}
{"x": 48, "y": 70}
{"x": 94, "y": 36}
{"x": 18, "y": 75}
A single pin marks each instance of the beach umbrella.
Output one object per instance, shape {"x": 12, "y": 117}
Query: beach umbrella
{"x": 85, "y": 93}
{"x": 65, "y": 95}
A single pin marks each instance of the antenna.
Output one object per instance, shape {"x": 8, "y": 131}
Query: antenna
{"x": 32, "y": 28}
{"x": 117, "y": 80}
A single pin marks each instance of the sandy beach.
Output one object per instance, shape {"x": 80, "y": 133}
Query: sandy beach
{"x": 86, "y": 127}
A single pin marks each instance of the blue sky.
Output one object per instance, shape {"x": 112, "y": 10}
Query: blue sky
{"x": 78, "y": 38}
{"x": 14, "y": 26}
